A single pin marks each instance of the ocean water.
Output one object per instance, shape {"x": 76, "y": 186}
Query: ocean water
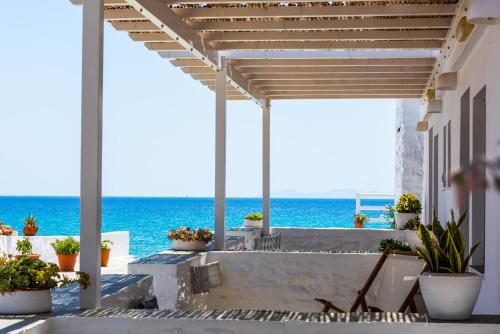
{"x": 149, "y": 219}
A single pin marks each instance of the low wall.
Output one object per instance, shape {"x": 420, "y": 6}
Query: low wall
{"x": 340, "y": 239}
{"x": 41, "y": 244}
{"x": 289, "y": 281}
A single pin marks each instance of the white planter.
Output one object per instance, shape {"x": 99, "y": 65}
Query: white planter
{"x": 402, "y": 218}
{"x": 252, "y": 223}
{"x": 25, "y": 302}
{"x": 188, "y": 245}
{"x": 450, "y": 296}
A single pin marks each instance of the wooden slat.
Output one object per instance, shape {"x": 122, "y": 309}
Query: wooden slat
{"x": 347, "y": 92}
{"x": 335, "y": 69}
{"x": 150, "y": 37}
{"x": 341, "y": 96}
{"x": 324, "y": 62}
{"x": 122, "y": 14}
{"x": 164, "y": 46}
{"x": 135, "y": 26}
{"x": 319, "y": 76}
{"x": 305, "y": 45}
{"x": 325, "y": 35}
{"x": 316, "y": 11}
{"x": 341, "y": 87}
{"x": 322, "y": 24}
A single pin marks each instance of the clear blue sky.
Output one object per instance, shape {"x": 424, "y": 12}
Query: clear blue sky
{"x": 159, "y": 123}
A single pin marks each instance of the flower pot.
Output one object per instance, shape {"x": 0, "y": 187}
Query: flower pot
{"x": 105, "y": 256}
{"x": 25, "y": 302}
{"x": 67, "y": 262}
{"x": 252, "y": 223}
{"x": 34, "y": 257}
{"x": 402, "y": 218}
{"x": 450, "y": 296}
{"x": 181, "y": 245}
{"x": 358, "y": 224}
{"x": 30, "y": 230}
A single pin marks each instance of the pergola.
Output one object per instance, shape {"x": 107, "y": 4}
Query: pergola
{"x": 261, "y": 51}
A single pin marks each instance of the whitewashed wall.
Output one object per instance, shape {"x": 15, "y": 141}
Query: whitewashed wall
{"x": 480, "y": 68}
{"x": 409, "y": 149}
{"x": 41, "y": 244}
{"x": 340, "y": 239}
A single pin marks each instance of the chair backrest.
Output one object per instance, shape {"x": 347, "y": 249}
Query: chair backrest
{"x": 269, "y": 242}
{"x": 398, "y": 278}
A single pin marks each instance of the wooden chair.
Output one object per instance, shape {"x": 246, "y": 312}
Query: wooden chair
{"x": 396, "y": 292}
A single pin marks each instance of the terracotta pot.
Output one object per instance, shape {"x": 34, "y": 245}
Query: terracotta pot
{"x": 30, "y": 230}
{"x": 67, "y": 262}
{"x": 358, "y": 224}
{"x": 105, "y": 256}
{"x": 34, "y": 257}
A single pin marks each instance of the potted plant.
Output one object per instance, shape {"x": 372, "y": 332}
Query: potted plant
{"x": 105, "y": 250}
{"x": 359, "y": 220}
{"x": 408, "y": 206}
{"x": 25, "y": 247}
{"x": 67, "y": 251}
{"x": 253, "y": 220}
{"x": 30, "y": 228}
{"x": 394, "y": 245}
{"x": 5, "y": 229}
{"x": 449, "y": 288}
{"x": 186, "y": 239}
{"x": 25, "y": 285}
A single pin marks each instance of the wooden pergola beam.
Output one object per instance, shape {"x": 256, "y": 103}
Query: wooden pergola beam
{"x": 328, "y": 45}
{"x": 324, "y": 24}
{"x": 164, "y": 46}
{"x": 420, "y": 34}
{"x": 316, "y": 11}
{"x": 342, "y": 96}
{"x": 321, "y": 70}
{"x": 325, "y": 62}
{"x": 320, "y": 76}
{"x": 150, "y": 37}
{"x": 347, "y": 92}
{"x": 310, "y": 88}
{"x": 338, "y": 82}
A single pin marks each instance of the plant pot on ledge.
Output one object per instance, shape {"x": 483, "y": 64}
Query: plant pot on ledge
{"x": 187, "y": 239}
{"x": 67, "y": 251}
{"x": 30, "y": 228}
{"x": 407, "y": 207}
{"x": 402, "y": 218}
{"x": 67, "y": 261}
{"x": 105, "y": 251}
{"x": 194, "y": 245}
{"x": 26, "y": 302}
{"x": 253, "y": 220}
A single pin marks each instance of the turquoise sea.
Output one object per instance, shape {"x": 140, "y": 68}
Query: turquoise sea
{"x": 149, "y": 219}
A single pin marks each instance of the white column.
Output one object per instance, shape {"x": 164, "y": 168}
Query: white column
{"x": 91, "y": 151}
{"x": 220, "y": 155}
{"x": 266, "y": 165}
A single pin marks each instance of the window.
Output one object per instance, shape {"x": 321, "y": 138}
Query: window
{"x": 465, "y": 153}
{"x": 444, "y": 175}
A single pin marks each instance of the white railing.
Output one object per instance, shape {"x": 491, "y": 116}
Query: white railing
{"x": 360, "y": 208}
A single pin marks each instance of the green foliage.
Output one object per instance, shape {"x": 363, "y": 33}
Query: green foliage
{"x": 106, "y": 244}
{"x": 26, "y": 273}
{"x": 361, "y": 218}
{"x": 30, "y": 220}
{"x": 412, "y": 224}
{"x": 187, "y": 234}
{"x": 408, "y": 203}
{"x": 254, "y": 216}
{"x": 388, "y": 215}
{"x": 24, "y": 246}
{"x": 394, "y": 245}
{"x": 66, "y": 246}
{"x": 444, "y": 249}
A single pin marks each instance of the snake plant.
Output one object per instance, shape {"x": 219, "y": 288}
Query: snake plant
{"x": 444, "y": 249}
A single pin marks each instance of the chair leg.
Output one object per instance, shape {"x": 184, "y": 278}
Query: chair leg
{"x": 327, "y": 305}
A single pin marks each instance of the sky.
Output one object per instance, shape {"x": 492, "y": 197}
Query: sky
{"x": 158, "y": 134}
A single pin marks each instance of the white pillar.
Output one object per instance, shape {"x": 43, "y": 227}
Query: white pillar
{"x": 91, "y": 151}
{"x": 220, "y": 155}
{"x": 266, "y": 165}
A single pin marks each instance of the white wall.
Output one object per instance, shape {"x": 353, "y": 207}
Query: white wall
{"x": 480, "y": 68}
{"x": 41, "y": 244}
{"x": 340, "y": 239}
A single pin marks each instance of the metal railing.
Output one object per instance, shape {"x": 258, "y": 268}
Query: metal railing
{"x": 360, "y": 208}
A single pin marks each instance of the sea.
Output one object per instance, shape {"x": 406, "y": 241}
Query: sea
{"x": 149, "y": 219}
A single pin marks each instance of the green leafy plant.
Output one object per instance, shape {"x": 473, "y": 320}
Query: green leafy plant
{"x": 412, "y": 224}
{"x": 24, "y": 246}
{"x": 254, "y": 216}
{"x": 361, "y": 218}
{"x": 444, "y": 249}
{"x": 187, "y": 234}
{"x": 388, "y": 215}
{"x": 66, "y": 246}
{"x": 106, "y": 244}
{"x": 30, "y": 220}
{"x": 27, "y": 274}
{"x": 394, "y": 245}
{"x": 408, "y": 203}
